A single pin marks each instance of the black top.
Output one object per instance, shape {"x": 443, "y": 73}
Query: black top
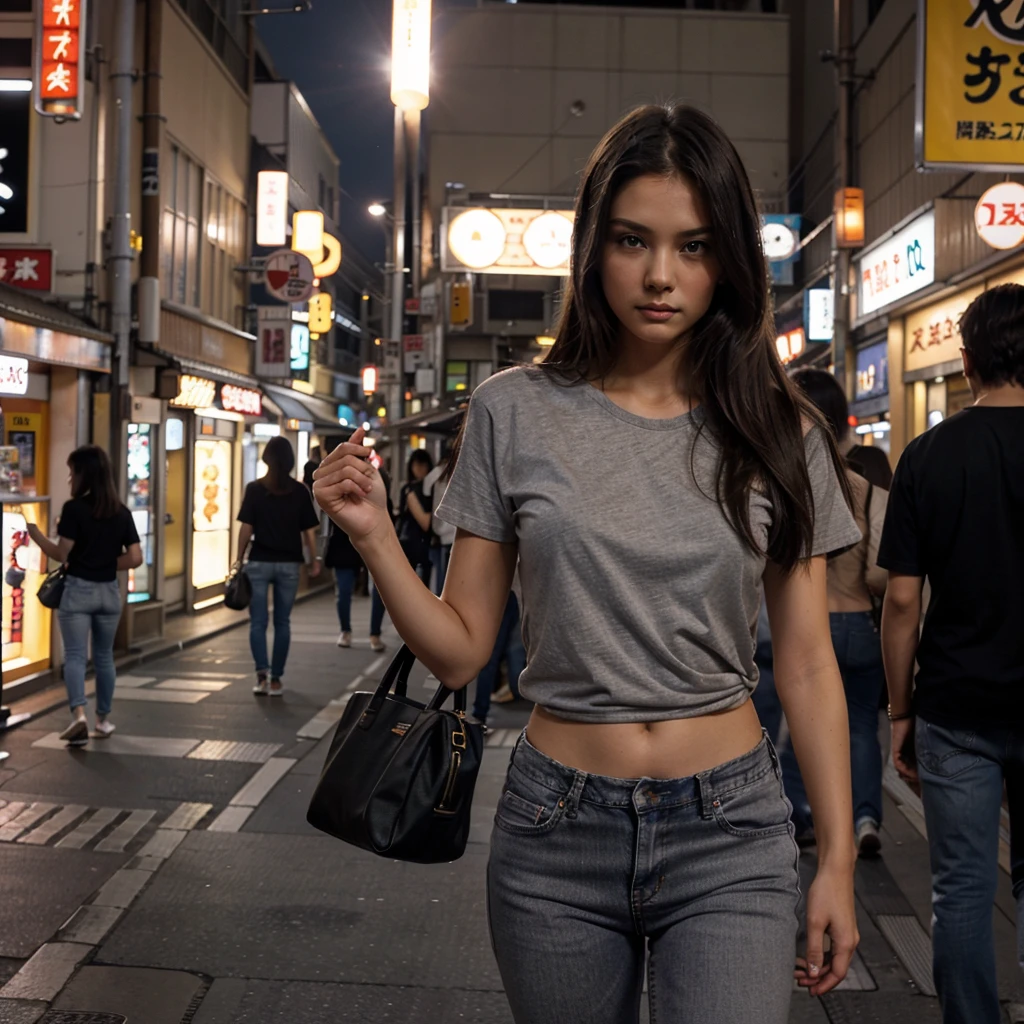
{"x": 956, "y": 516}
{"x": 340, "y": 553}
{"x": 277, "y": 521}
{"x": 415, "y": 540}
{"x": 98, "y": 542}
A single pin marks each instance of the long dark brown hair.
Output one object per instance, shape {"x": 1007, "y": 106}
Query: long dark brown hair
{"x": 92, "y": 479}
{"x": 729, "y": 364}
{"x": 280, "y": 461}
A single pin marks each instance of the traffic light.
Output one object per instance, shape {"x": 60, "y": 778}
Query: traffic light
{"x": 460, "y": 310}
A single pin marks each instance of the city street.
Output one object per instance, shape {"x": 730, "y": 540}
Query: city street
{"x": 167, "y": 875}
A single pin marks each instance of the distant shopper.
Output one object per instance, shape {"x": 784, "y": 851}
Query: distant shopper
{"x": 414, "y": 516}
{"x": 854, "y": 580}
{"x": 97, "y": 539}
{"x": 956, "y": 517}
{"x": 442, "y": 535}
{"x": 278, "y": 516}
{"x": 343, "y": 558}
{"x": 508, "y": 647}
{"x": 315, "y": 457}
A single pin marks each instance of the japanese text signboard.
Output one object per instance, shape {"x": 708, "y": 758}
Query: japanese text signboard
{"x": 27, "y": 268}
{"x": 901, "y": 265}
{"x": 970, "y": 85}
{"x": 933, "y": 334}
{"x": 60, "y": 58}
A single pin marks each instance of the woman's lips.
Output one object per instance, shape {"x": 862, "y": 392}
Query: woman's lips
{"x": 656, "y": 315}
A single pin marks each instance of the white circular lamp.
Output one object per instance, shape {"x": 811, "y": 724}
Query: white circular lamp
{"x": 476, "y": 238}
{"x": 548, "y": 240}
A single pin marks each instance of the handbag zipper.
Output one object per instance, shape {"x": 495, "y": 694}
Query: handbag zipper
{"x": 454, "y": 764}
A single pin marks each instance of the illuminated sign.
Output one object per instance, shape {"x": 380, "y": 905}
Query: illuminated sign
{"x": 13, "y": 375}
{"x": 15, "y": 179}
{"x": 272, "y": 208}
{"x": 300, "y": 348}
{"x": 243, "y": 400}
{"x": 507, "y": 241}
{"x": 58, "y": 67}
{"x": 901, "y": 265}
{"x": 321, "y": 313}
{"x": 791, "y": 344}
{"x": 410, "y": 54}
{"x": 818, "y": 306}
{"x": 346, "y": 416}
{"x": 369, "y": 380}
{"x": 27, "y": 268}
{"x": 999, "y": 215}
{"x": 195, "y": 392}
{"x": 873, "y": 371}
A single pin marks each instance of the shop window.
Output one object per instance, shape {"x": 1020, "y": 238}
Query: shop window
{"x": 456, "y": 375}
{"x": 140, "y": 463}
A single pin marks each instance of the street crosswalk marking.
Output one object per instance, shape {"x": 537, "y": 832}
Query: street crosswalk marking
{"x": 232, "y": 750}
{"x": 11, "y": 810}
{"x": 90, "y": 829}
{"x": 187, "y": 816}
{"x": 28, "y": 817}
{"x": 53, "y": 826}
{"x": 119, "y": 839}
{"x": 164, "y": 696}
{"x": 209, "y": 685}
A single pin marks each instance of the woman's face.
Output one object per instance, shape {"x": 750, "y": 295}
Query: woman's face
{"x": 419, "y": 470}
{"x": 658, "y": 267}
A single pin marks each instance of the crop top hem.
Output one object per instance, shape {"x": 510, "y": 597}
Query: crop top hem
{"x": 620, "y": 716}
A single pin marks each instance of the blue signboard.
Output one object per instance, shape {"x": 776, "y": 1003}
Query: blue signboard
{"x": 300, "y": 348}
{"x": 780, "y": 235}
{"x": 873, "y": 371}
{"x": 346, "y": 416}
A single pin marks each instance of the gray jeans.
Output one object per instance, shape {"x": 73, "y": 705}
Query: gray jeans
{"x": 589, "y": 874}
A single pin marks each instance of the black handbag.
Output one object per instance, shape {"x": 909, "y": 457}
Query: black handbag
{"x": 238, "y": 589}
{"x": 51, "y": 590}
{"x": 399, "y": 777}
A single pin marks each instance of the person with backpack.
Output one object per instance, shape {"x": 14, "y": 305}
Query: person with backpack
{"x": 97, "y": 539}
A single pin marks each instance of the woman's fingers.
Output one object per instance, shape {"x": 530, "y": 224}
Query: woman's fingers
{"x": 353, "y": 447}
{"x": 349, "y": 468}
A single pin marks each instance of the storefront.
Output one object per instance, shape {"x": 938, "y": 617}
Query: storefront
{"x": 870, "y": 407}
{"x": 49, "y": 364}
{"x": 307, "y": 421}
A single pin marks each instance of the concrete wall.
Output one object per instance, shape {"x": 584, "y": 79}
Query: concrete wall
{"x": 506, "y": 75}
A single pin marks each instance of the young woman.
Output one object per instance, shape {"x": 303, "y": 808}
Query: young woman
{"x": 278, "y": 516}
{"x": 650, "y": 477}
{"x": 413, "y": 515}
{"x": 854, "y": 578}
{"x": 97, "y": 538}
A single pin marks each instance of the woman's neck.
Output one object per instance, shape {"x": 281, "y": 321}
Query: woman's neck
{"x": 649, "y": 376}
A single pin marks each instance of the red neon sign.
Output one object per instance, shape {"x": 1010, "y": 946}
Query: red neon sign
{"x": 58, "y": 84}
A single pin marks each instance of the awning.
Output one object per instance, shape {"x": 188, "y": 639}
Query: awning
{"x": 218, "y": 373}
{"x": 435, "y": 421}
{"x": 296, "y": 406}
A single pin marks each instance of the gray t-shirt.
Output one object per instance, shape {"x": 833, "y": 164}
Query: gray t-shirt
{"x": 640, "y": 601}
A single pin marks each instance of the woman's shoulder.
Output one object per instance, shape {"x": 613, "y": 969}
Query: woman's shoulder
{"x": 511, "y": 385}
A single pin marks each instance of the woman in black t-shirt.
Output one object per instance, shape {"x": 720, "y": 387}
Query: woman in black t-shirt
{"x": 97, "y": 538}
{"x": 414, "y": 517}
{"x": 278, "y": 516}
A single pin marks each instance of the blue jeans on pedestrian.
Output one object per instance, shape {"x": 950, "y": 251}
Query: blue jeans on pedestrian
{"x": 284, "y": 576}
{"x": 439, "y": 556}
{"x": 508, "y": 644}
{"x": 87, "y": 607}
{"x": 587, "y": 874}
{"x": 962, "y": 773}
{"x": 345, "y": 580}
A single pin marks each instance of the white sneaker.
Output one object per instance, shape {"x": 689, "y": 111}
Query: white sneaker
{"x": 76, "y": 733}
{"x": 345, "y": 640}
{"x": 262, "y": 686}
{"x": 276, "y": 688}
{"x": 104, "y": 729}
{"x": 869, "y": 843}
{"x": 376, "y": 644}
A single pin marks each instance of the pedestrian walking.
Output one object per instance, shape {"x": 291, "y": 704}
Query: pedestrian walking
{"x": 414, "y": 515}
{"x": 649, "y": 475}
{"x": 315, "y": 457}
{"x": 343, "y": 558}
{"x": 955, "y": 518}
{"x": 278, "y": 517}
{"x": 442, "y": 535}
{"x": 96, "y": 539}
{"x": 855, "y": 582}
{"x": 508, "y": 647}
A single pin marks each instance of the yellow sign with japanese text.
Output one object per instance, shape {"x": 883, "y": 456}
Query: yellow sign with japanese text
{"x": 970, "y": 84}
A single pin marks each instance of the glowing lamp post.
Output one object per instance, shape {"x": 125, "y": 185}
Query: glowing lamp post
{"x": 410, "y": 54}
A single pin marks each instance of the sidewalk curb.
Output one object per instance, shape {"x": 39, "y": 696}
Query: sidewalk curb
{"x": 128, "y": 661}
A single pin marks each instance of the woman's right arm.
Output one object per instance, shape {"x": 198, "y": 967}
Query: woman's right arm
{"x": 452, "y": 635}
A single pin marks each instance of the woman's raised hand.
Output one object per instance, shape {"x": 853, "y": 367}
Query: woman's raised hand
{"x": 350, "y": 490}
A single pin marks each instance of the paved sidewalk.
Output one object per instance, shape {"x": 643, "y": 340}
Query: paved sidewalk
{"x": 167, "y": 875}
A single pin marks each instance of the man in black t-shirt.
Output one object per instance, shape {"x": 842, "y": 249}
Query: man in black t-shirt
{"x": 956, "y": 517}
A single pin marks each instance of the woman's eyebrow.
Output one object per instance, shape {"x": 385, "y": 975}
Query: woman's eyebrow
{"x": 632, "y": 225}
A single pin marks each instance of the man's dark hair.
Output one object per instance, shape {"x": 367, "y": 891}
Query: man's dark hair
{"x": 828, "y": 395}
{"x": 992, "y": 329}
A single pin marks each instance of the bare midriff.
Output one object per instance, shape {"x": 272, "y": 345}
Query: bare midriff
{"x": 671, "y": 749}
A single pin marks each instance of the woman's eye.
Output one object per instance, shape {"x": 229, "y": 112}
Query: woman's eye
{"x": 631, "y": 241}
{"x": 696, "y": 247}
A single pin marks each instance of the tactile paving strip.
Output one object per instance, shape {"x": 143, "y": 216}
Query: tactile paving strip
{"x": 81, "y": 1017}
{"x": 912, "y": 946}
{"x": 233, "y": 750}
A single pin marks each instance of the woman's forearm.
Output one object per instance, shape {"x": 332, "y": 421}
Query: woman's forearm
{"x": 50, "y": 549}
{"x": 815, "y": 707}
{"x": 433, "y": 630}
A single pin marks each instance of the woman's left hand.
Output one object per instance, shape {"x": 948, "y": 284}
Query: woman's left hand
{"x": 831, "y": 911}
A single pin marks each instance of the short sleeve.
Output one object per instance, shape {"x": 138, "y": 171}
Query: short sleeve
{"x": 68, "y": 525}
{"x": 130, "y": 534}
{"x": 475, "y": 498}
{"x": 835, "y": 528}
{"x": 900, "y": 549}
{"x": 247, "y": 513}
{"x": 308, "y": 516}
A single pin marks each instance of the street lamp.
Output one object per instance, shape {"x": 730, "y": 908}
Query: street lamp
{"x": 376, "y": 209}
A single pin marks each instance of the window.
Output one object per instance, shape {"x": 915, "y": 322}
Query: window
{"x": 179, "y": 257}
{"x": 223, "y": 250}
{"x": 505, "y": 304}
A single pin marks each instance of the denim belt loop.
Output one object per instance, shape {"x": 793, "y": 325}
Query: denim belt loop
{"x": 573, "y": 799}
{"x": 706, "y": 795}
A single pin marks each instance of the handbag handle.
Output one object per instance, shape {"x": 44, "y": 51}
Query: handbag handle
{"x": 397, "y": 675}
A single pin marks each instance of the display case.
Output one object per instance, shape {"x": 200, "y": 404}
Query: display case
{"x": 26, "y": 623}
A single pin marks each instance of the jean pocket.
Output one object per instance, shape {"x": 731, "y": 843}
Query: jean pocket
{"x": 528, "y": 807}
{"x": 755, "y": 810}
{"x": 944, "y": 752}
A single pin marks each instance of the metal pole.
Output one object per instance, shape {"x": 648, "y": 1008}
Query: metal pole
{"x": 844, "y": 59}
{"x": 414, "y": 121}
{"x": 122, "y": 78}
{"x": 394, "y": 391}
